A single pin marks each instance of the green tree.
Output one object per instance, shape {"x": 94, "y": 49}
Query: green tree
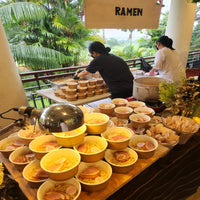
{"x": 195, "y": 41}
{"x": 45, "y": 34}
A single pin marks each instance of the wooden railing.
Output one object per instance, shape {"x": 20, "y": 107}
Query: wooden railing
{"x": 40, "y": 79}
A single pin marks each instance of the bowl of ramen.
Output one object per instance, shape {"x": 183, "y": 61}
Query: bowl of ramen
{"x": 61, "y": 164}
{"x": 66, "y": 190}
{"x": 119, "y": 122}
{"x": 139, "y": 120}
{"x": 106, "y": 108}
{"x": 123, "y": 112}
{"x": 144, "y": 110}
{"x": 21, "y": 157}
{"x": 144, "y": 145}
{"x": 29, "y": 133}
{"x": 71, "y": 138}
{"x": 119, "y": 102}
{"x": 92, "y": 149}
{"x": 43, "y": 144}
{"x": 117, "y": 137}
{"x": 96, "y": 122}
{"x": 122, "y": 161}
{"x": 94, "y": 176}
{"x": 135, "y": 104}
{"x": 9, "y": 144}
{"x": 34, "y": 174}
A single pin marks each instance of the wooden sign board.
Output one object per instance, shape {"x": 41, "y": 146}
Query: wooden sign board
{"x": 122, "y": 14}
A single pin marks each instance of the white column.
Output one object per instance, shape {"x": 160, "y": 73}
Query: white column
{"x": 12, "y": 93}
{"x": 180, "y": 26}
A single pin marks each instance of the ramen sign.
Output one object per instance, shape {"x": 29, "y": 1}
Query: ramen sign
{"x": 122, "y": 14}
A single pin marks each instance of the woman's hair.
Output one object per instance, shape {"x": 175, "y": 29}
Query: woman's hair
{"x": 166, "y": 41}
{"x": 98, "y": 47}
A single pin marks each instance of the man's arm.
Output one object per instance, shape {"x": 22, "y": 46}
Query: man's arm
{"x": 83, "y": 73}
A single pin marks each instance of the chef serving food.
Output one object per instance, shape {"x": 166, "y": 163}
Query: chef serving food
{"x": 167, "y": 61}
{"x": 114, "y": 70}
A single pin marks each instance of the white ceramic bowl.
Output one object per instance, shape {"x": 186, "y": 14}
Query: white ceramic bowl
{"x": 139, "y": 120}
{"x": 51, "y": 185}
{"x": 96, "y": 122}
{"x": 71, "y": 138}
{"x": 144, "y": 110}
{"x": 144, "y": 140}
{"x": 92, "y": 149}
{"x": 117, "y": 137}
{"x": 61, "y": 164}
{"x": 106, "y": 108}
{"x": 34, "y": 174}
{"x": 98, "y": 183}
{"x": 123, "y": 112}
{"x": 43, "y": 144}
{"x": 135, "y": 104}
{"x": 9, "y": 144}
{"x": 21, "y": 157}
{"x": 123, "y": 164}
{"x": 119, "y": 102}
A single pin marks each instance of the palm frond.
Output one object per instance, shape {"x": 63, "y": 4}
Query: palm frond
{"x": 16, "y": 12}
{"x": 38, "y": 57}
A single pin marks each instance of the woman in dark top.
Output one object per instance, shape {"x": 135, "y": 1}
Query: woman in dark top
{"x": 114, "y": 70}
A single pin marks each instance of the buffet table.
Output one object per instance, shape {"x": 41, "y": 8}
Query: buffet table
{"x": 115, "y": 183}
{"x": 49, "y": 93}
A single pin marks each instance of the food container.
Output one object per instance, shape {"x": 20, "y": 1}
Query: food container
{"x": 92, "y": 149}
{"x": 82, "y": 89}
{"x": 90, "y": 94}
{"x": 29, "y": 133}
{"x": 89, "y": 184}
{"x": 105, "y": 90}
{"x": 43, "y": 144}
{"x": 61, "y": 164}
{"x": 91, "y": 88}
{"x": 139, "y": 120}
{"x": 50, "y": 185}
{"x": 81, "y": 95}
{"x": 99, "y": 81}
{"x": 144, "y": 110}
{"x": 83, "y": 83}
{"x": 71, "y": 138}
{"x": 135, "y": 104}
{"x": 71, "y": 97}
{"x": 99, "y": 86}
{"x": 69, "y": 91}
{"x": 117, "y": 137}
{"x": 121, "y": 161}
{"x": 96, "y": 122}
{"x": 57, "y": 92}
{"x": 9, "y": 144}
{"x": 18, "y": 153}
{"x": 98, "y": 92}
{"x": 72, "y": 85}
{"x": 92, "y": 82}
{"x": 185, "y": 127}
{"x": 106, "y": 108}
{"x": 123, "y": 112}
{"x": 146, "y": 88}
{"x": 119, "y": 102}
{"x": 140, "y": 139}
{"x": 34, "y": 174}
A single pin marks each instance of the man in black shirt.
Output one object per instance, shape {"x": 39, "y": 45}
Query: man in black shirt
{"x": 114, "y": 70}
